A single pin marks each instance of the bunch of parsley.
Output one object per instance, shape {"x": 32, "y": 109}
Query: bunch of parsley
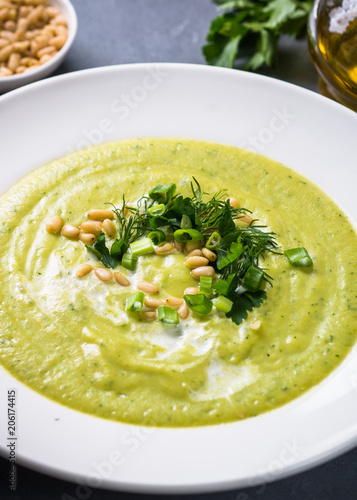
{"x": 249, "y": 31}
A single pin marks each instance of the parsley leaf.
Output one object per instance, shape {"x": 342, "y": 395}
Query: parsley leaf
{"x": 100, "y": 250}
{"x": 250, "y": 30}
{"x": 181, "y": 206}
{"x": 223, "y": 287}
{"x": 242, "y": 303}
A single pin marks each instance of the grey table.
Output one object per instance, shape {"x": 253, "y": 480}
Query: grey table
{"x": 129, "y": 31}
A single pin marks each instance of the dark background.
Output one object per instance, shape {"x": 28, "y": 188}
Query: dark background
{"x": 130, "y": 31}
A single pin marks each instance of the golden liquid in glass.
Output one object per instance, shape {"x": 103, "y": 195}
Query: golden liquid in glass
{"x": 333, "y": 48}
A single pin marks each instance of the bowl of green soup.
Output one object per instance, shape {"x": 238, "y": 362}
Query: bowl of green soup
{"x": 178, "y": 278}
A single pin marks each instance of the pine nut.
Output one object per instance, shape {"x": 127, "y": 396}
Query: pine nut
{"x": 45, "y": 50}
{"x": 34, "y": 65}
{"x": 197, "y": 253}
{"x": 70, "y": 231}
{"x": 5, "y": 72}
{"x": 149, "y": 288}
{"x": 9, "y": 35}
{"x": 174, "y": 302}
{"x": 47, "y": 57}
{"x": 3, "y": 42}
{"x": 24, "y": 10}
{"x": 191, "y": 290}
{"x": 148, "y": 315}
{"x": 10, "y": 26}
{"x": 191, "y": 245}
{"x": 164, "y": 248}
{"x": 245, "y": 218}
{"x": 194, "y": 262}
{"x": 60, "y": 30}
{"x": 109, "y": 228}
{"x": 21, "y": 69}
{"x": 38, "y": 43}
{"x": 100, "y": 214}
{"x": 55, "y": 225}
{"x": 5, "y": 53}
{"x": 183, "y": 311}
{"x": 103, "y": 274}
{"x": 121, "y": 279}
{"x": 51, "y": 11}
{"x": 153, "y": 303}
{"x": 13, "y": 61}
{"x": 4, "y": 12}
{"x": 233, "y": 202}
{"x": 203, "y": 271}
{"x": 57, "y": 41}
{"x": 52, "y": 30}
{"x": 211, "y": 256}
{"x": 59, "y": 19}
{"x": 21, "y": 46}
{"x": 87, "y": 238}
{"x": 28, "y": 61}
{"x": 36, "y": 15}
{"x": 84, "y": 270}
{"x": 256, "y": 325}
{"x": 178, "y": 246}
{"x": 92, "y": 227}
{"x": 22, "y": 26}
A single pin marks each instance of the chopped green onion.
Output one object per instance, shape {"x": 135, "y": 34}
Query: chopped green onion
{"x": 199, "y": 303}
{"x": 185, "y": 235}
{"x": 141, "y": 247}
{"x": 157, "y": 236}
{"x": 253, "y": 278}
{"x": 163, "y": 194}
{"x": 205, "y": 285}
{"x": 298, "y": 257}
{"x": 157, "y": 210}
{"x": 135, "y": 301}
{"x": 168, "y": 315}
{"x": 223, "y": 304}
{"x": 213, "y": 241}
{"x": 129, "y": 261}
{"x": 186, "y": 222}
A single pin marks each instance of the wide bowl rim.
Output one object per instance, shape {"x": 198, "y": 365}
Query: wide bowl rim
{"x": 347, "y": 441}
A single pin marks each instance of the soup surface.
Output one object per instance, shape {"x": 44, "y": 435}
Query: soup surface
{"x": 72, "y": 340}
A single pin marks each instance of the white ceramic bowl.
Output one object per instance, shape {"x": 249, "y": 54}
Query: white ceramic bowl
{"x": 12, "y": 82}
{"x": 301, "y": 129}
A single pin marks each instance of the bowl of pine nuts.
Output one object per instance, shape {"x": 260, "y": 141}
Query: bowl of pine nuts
{"x": 35, "y": 37}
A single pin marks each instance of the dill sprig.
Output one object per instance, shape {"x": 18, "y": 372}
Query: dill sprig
{"x": 215, "y": 212}
{"x": 130, "y": 227}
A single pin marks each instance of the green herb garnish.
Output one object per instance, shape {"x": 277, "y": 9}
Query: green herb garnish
{"x": 135, "y": 301}
{"x": 199, "y": 303}
{"x": 157, "y": 236}
{"x": 105, "y": 255}
{"x": 298, "y": 257}
{"x": 206, "y": 285}
{"x": 214, "y": 223}
{"x": 168, "y": 315}
{"x": 129, "y": 261}
{"x": 223, "y": 304}
{"x": 141, "y": 247}
{"x": 248, "y": 31}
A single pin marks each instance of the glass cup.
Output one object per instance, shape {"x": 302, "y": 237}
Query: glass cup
{"x": 332, "y": 37}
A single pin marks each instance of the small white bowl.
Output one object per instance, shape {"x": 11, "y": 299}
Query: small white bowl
{"x": 12, "y": 82}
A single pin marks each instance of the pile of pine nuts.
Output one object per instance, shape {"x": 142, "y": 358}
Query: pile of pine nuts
{"x": 31, "y": 33}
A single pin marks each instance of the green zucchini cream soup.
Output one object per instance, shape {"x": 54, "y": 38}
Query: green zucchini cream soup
{"x": 173, "y": 283}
